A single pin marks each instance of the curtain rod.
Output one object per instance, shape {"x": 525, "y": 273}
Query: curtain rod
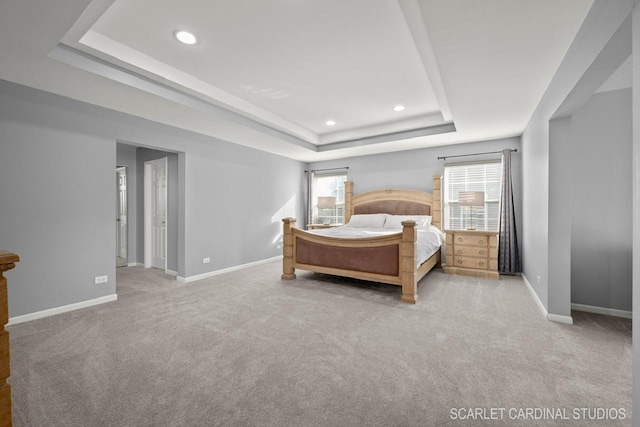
{"x": 329, "y": 169}
{"x": 476, "y": 154}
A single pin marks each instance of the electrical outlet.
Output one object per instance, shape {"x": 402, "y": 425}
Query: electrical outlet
{"x": 206, "y": 260}
{"x": 101, "y": 279}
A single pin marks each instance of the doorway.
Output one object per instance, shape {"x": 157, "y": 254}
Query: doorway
{"x": 155, "y": 213}
{"x": 121, "y": 217}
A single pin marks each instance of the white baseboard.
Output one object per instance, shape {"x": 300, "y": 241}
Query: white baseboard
{"x": 135, "y": 264}
{"x": 63, "y": 309}
{"x": 568, "y": 320}
{"x": 558, "y": 318}
{"x": 171, "y": 272}
{"x": 225, "y": 270}
{"x": 602, "y": 310}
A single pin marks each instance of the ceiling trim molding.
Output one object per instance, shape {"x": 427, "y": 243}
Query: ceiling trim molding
{"x": 95, "y": 65}
{"x": 105, "y": 48}
{"x": 92, "y": 64}
{"x": 413, "y": 16}
{"x": 397, "y": 126}
{"x": 395, "y": 136}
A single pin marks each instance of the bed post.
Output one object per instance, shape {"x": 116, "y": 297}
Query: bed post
{"x": 348, "y": 194}
{"x": 288, "y": 272}
{"x": 408, "y": 262}
{"x": 436, "y": 208}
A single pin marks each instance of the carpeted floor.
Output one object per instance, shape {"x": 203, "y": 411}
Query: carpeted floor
{"x": 247, "y": 349}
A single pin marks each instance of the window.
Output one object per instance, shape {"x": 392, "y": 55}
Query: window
{"x": 327, "y": 198}
{"x": 484, "y": 177}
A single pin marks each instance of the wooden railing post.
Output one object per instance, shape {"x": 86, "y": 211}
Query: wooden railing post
{"x": 408, "y": 262}
{"x": 7, "y": 262}
{"x": 288, "y": 272}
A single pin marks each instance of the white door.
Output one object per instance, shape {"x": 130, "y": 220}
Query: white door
{"x": 156, "y": 213}
{"x": 121, "y": 219}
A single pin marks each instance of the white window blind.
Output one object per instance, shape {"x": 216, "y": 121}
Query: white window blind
{"x": 328, "y": 185}
{"x": 485, "y": 177}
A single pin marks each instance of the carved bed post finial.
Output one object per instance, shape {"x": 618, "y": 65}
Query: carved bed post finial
{"x": 348, "y": 195}
{"x": 408, "y": 262}
{"x": 288, "y": 272}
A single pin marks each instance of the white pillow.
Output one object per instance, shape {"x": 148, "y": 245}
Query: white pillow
{"x": 395, "y": 221}
{"x": 367, "y": 221}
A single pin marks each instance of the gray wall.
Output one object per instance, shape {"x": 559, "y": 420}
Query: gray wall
{"x": 57, "y": 172}
{"x": 414, "y": 169}
{"x": 126, "y": 156}
{"x": 57, "y": 192}
{"x": 601, "y": 244}
{"x": 235, "y": 204}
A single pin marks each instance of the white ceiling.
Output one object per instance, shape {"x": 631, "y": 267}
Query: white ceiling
{"x": 269, "y": 73}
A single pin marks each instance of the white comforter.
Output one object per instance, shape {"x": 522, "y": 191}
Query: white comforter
{"x": 428, "y": 240}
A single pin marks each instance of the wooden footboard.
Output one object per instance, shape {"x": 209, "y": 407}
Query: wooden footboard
{"x": 386, "y": 259}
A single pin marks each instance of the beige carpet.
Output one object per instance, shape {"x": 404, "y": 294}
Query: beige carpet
{"x": 247, "y": 349}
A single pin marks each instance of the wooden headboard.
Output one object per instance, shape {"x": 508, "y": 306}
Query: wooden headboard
{"x": 396, "y": 202}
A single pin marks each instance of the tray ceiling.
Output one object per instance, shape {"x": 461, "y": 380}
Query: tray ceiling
{"x": 270, "y": 74}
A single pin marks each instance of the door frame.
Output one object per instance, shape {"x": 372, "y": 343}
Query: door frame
{"x": 122, "y": 170}
{"x": 147, "y": 211}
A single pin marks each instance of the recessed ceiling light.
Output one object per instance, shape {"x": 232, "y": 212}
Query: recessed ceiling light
{"x": 330, "y": 123}
{"x": 186, "y": 37}
{"x": 398, "y": 108}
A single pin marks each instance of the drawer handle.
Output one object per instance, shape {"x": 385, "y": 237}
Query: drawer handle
{"x": 459, "y": 251}
{"x": 481, "y": 252}
{"x": 481, "y": 242}
{"x": 459, "y": 261}
{"x": 481, "y": 263}
{"x": 459, "y": 239}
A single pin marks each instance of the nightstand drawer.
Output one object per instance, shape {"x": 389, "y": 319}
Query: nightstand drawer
{"x": 468, "y": 262}
{"x": 466, "y": 239}
{"x": 473, "y": 251}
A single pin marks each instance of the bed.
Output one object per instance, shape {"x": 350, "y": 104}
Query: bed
{"x": 392, "y": 256}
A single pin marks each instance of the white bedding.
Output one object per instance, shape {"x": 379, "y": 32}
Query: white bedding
{"x": 428, "y": 240}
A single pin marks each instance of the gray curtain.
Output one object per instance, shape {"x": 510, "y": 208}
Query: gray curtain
{"x": 508, "y": 253}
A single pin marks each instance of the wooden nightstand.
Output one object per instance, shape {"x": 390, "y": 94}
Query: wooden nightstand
{"x": 319, "y": 226}
{"x": 472, "y": 253}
